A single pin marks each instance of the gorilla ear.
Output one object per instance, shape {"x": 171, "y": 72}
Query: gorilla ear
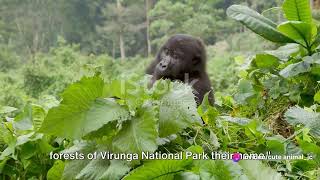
{"x": 196, "y": 60}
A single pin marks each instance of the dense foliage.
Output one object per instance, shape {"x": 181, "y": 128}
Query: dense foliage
{"x": 62, "y": 105}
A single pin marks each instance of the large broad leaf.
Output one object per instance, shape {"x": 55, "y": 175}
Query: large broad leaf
{"x": 116, "y": 170}
{"x": 159, "y": 169}
{"x": 216, "y": 169}
{"x": 284, "y": 52}
{"x": 94, "y": 169}
{"x": 253, "y": 169}
{"x": 103, "y": 169}
{"x": 177, "y": 110}
{"x": 295, "y": 69}
{"x": 301, "y": 32}
{"x": 257, "y": 23}
{"x": 74, "y": 167}
{"x": 245, "y": 91}
{"x": 138, "y": 134}
{"x": 297, "y": 10}
{"x": 297, "y": 115}
{"x": 99, "y": 168}
{"x": 81, "y": 110}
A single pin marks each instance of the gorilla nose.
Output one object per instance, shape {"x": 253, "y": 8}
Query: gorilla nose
{"x": 163, "y": 65}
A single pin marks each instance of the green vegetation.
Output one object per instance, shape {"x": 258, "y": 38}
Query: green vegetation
{"x": 64, "y": 96}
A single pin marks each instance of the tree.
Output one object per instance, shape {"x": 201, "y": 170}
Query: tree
{"x": 122, "y": 20}
{"x": 198, "y": 18}
{"x": 147, "y": 7}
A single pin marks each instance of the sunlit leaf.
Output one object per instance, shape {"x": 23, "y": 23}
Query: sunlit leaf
{"x": 82, "y": 110}
{"x": 317, "y": 97}
{"x": 301, "y": 32}
{"x": 158, "y": 169}
{"x": 297, "y": 10}
{"x": 56, "y": 171}
{"x": 177, "y": 110}
{"x": 138, "y": 134}
{"x": 265, "y": 61}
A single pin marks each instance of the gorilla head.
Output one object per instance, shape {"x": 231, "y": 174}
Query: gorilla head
{"x": 180, "y": 55}
{"x": 183, "y": 58}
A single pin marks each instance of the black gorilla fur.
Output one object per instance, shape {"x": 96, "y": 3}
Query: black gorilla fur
{"x": 183, "y": 58}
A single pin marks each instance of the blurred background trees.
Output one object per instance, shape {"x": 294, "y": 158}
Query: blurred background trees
{"x": 45, "y": 44}
{"x": 119, "y": 28}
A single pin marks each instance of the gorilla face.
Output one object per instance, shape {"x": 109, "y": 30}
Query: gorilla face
{"x": 180, "y": 55}
{"x": 170, "y": 64}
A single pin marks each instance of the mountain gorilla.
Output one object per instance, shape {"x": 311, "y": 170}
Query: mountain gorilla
{"x": 183, "y": 58}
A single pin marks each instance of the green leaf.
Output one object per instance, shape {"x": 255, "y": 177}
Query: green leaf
{"x": 236, "y": 120}
{"x": 23, "y": 121}
{"x": 276, "y": 144}
{"x": 138, "y": 134}
{"x": 7, "y": 109}
{"x": 297, "y": 115}
{"x": 56, "y": 171}
{"x": 265, "y": 61}
{"x": 292, "y": 149}
{"x": 295, "y": 69}
{"x": 3, "y": 164}
{"x": 215, "y": 169}
{"x": 253, "y": 169}
{"x": 308, "y": 147}
{"x": 159, "y": 169}
{"x": 177, "y": 110}
{"x": 81, "y": 110}
{"x": 8, "y": 138}
{"x": 48, "y": 101}
{"x": 8, "y": 152}
{"x": 128, "y": 90}
{"x": 301, "y": 32}
{"x": 297, "y": 10}
{"x": 284, "y": 52}
{"x": 317, "y": 97}
{"x": 257, "y": 23}
{"x": 38, "y": 115}
{"x": 103, "y": 169}
{"x": 116, "y": 170}
{"x": 245, "y": 90}
{"x": 301, "y": 165}
{"x": 28, "y": 138}
{"x": 72, "y": 168}
{"x": 207, "y": 112}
